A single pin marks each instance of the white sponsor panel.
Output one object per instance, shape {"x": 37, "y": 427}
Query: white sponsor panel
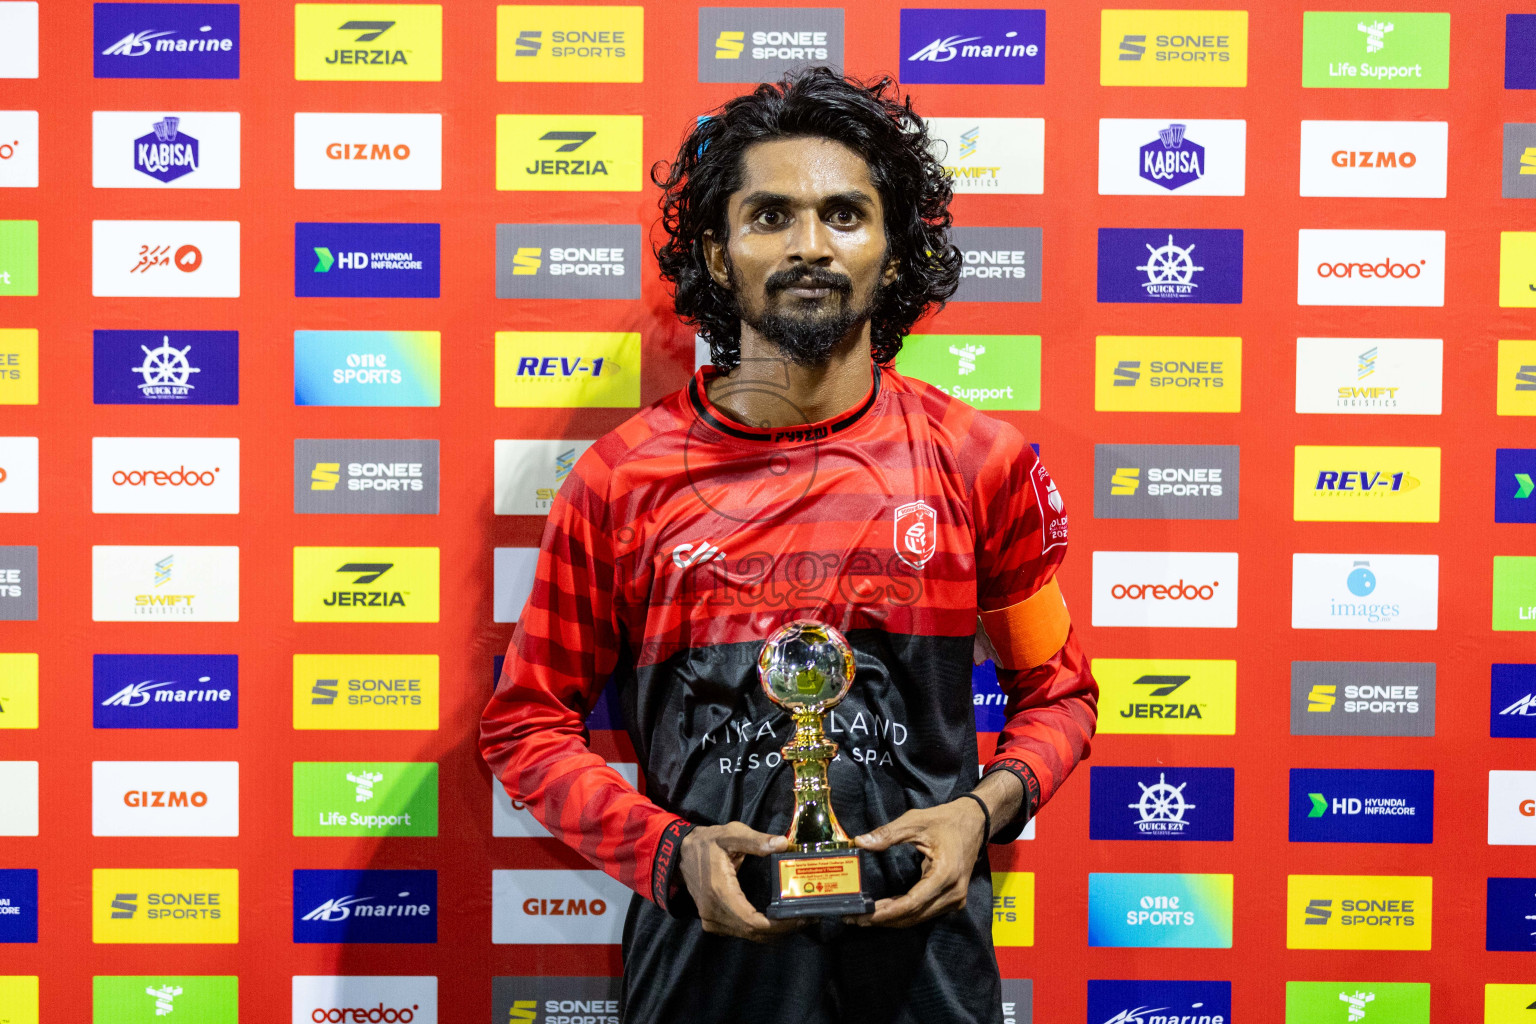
{"x": 165, "y": 798}
{"x": 368, "y": 151}
{"x": 557, "y": 908}
{"x": 1198, "y": 158}
{"x": 18, "y": 39}
{"x": 1331, "y": 591}
{"x": 1369, "y": 376}
{"x": 1374, "y": 159}
{"x": 179, "y": 259}
{"x": 991, "y": 155}
{"x": 393, "y": 999}
{"x": 529, "y": 473}
{"x": 18, "y": 149}
{"x": 512, "y": 819}
{"x": 160, "y": 149}
{"x": 18, "y": 474}
{"x": 170, "y": 475}
{"x": 165, "y": 583}
{"x": 1511, "y": 808}
{"x": 1165, "y": 588}
{"x": 1370, "y": 268}
{"x": 18, "y": 798}
{"x": 515, "y": 569}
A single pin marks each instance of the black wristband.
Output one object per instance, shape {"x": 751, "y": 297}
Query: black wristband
{"x": 986, "y": 817}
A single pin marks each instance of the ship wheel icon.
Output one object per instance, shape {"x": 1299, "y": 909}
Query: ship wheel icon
{"x": 1161, "y": 802}
{"x": 165, "y": 366}
{"x": 1169, "y": 264}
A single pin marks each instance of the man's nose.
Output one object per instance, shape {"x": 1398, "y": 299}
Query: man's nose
{"x": 809, "y": 240}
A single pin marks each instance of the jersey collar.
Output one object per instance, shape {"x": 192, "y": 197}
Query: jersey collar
{"x": 717, "y": 418}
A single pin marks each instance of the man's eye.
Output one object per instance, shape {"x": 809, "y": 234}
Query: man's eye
{"x": 844, "y": 215}
{"x": 771, "y": 218}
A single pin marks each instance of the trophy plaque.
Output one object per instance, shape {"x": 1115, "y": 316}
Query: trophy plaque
{"x": 806, "y": 667}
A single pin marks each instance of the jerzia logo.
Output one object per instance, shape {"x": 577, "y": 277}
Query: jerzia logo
{"x": 368, "y": 42}
{"x": 578, "y": 153}
{"x": 1166, "y": 696}
{"x": 375, "y": 585}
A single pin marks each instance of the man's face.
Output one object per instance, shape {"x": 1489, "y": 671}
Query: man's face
{"x": 805, "y": 251}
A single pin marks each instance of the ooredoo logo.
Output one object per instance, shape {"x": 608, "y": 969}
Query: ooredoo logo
{"x": 165, "y": 475}
{"x": 327, "y": 999}
{"x": 1371, "y": 268}
{"x": 1165, "y": 588}
{"x": 1179, "y": 591}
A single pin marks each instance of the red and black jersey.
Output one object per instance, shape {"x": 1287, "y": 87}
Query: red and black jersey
{"x": 679, "y": 542}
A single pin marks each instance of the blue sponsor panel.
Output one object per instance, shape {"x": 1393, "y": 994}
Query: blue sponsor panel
{"x": 1362, "y": 805}
{"x": 1512, "y": 705}
{"x": 165, "y": 691}
{"x": 988, "y": 698}
{"x": 1520, "y": 51}
{"x": 367, "y": 368}
{"x": 367, "y": 261}
{"x": 973, "y": 47}
{"x": 1170, "y": 266}
{"x": 364, "y": 906}
{"x": 18, "y": 905}
{"x": 166, "y": 367}
{"x": 167, "y": 40}
{"x": 1514, "y": 485}
{"x": 1512, "y": 914}
{"x": 1160, "y": 803}
{"x": 1176, "y": 1002}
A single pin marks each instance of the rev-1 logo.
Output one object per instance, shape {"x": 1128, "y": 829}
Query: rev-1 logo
{"x": 558, "y": 366}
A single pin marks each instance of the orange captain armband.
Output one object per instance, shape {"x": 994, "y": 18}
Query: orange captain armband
{"x": 1028, "y": 633}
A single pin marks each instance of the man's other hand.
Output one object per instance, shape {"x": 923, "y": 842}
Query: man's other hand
{"x": 949, "y": 838}
{"x": 712, "y": 855}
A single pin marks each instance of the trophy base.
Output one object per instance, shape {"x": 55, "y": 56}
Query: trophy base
{"x": 825, "y": 884}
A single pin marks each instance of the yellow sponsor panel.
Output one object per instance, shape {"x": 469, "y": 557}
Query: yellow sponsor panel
{"x": 1013, "y": 908}
{"x": 18, "y": 366}
{"x": 1509, "y": 1004}
{"x": 1517, "y": 268}
{"x": 18, "y": 692}
{"x": 165, "y": 905}
{"x": 548, "y": 43}
{"x": 1358, "y": 911}
{"x": 1167, "y": 696}
{"x": 18, "y": 999}
{"x": 568, "y": 152}
{"x": 365, "y": 691}
{"x": 1517, "y": 378}
{"x": 368, "y": 42}
{"x": 1349, "y": 484}
{"x": 568, "y": 369}
{"x": 1176, "y": 48}
{"x": 1135, "y": 373}
{"x": 365, "y": 584}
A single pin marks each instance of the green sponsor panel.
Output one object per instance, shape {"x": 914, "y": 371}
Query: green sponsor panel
{"x": 1375, "y": 50}
{"x": 18, "y": 257}
{"x": 988, "y": 371}
{"x": 152, "y": 998}
{"x": 1514, "y": 592}
{"x": 1339, "y": 1002}
{"x": 364, "y": 798}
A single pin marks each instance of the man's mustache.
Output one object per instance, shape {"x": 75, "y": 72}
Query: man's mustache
{"x": 812, "y": 277}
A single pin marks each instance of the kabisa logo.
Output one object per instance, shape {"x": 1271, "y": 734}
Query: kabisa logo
{"x": 568, "y": 369}
{"x": 367, "y": 260}
{"x": 176, "y": 367}
{"x": 569, "y": 44}
{"x": 364, "y": 906}
{"x": 144, "y": 999}
{"x": 567, "y": 261}
{"x": 568, "y": 153}
{"x": 1178, "y": 48}
{"x": 1172, "y": 161}
{"x": 1162, "y": 264}
{"x": 368, "y": 42}
{"x": 365, "y": 584}
{"x": 1343, "y": 50}
{"x": 1191, "y": 804}
{"x": 166, "y": 153}
{"x": 1172, "y": 157}
{"x": 165, "y": 905}
{"x": 367, "y": 151}
{"x": 1362, "y": 806}
{"x": 1358, "y": 912}
{"x": 165, "y": 691}
{"x": 1362, "y": 698}
{"x": 367, "y": 368}
{"x": 1514, "y": 492}
{"x": 167, "y": 41}
{"x": 1158, "y": 910}
{"x": 18, "y": 583}
{"x": 1511, "y": 923}
{"x": 1159, "y": 1002}
{"x": 354, "y": 999}
{"x": 994, "y": 47}
{"x": 1364, "y": 591}
{"x": 364, "y": 799}
{"x": 1364, "y": 376}
{"x": 18, "y": 905}
{"x": 365, "y": 691}
{"x": 165, "y": 798}
{"x": 1186, "y": 697}
{"x": 365, "y": 476}
{"x": 537, "y": 907}
{"x": 999, "y": 264}
{"x": 1374, "y": 159}
{"x": 758, "y": 44}
{"x": 553, "y": 1000}
{"x": 1366, "y": 485}
{"x": 1512, "y": 701}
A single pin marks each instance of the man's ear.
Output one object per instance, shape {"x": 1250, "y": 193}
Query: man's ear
{"x": 888, "y": 275}
{"x": 714, "y": 259}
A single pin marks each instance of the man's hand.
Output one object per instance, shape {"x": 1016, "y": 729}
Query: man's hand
{"x": 712, "y": 855}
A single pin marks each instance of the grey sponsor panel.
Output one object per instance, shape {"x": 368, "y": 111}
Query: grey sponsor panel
{"x": 1165, "y": 481}
{"x": 1362, "y": 698}
{"x": 1000, "y": 264}
{"x": 758, "y": 44}
{"x": 369, "y": 477}
{"x": 567, "y": 261}
{"x": 18, "y": 583}
{"x": 539, "y": 1000}
{"x": 1518, "y": 173}
{"x": 514, "y": 576}
{"x": 1018, "y": 1001}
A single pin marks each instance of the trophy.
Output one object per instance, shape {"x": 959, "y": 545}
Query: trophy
{"x": 806, "y": 667}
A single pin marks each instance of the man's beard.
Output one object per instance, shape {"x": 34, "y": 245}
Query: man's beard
{"x": 808, "y": 337}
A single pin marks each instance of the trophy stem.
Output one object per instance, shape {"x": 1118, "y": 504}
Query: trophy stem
{"x": 814, "y": 827}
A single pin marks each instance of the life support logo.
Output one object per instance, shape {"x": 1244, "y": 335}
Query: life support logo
{"x": 916, "y": 533}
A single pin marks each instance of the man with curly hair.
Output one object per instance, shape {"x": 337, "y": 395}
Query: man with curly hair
{"x": 799, "y": 476}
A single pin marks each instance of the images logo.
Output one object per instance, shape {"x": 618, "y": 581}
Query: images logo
{"x": 182, "y": 584}
{"x": 365, "y": 477}
{"x": 173, "y": 475}
{"x": 165, "y": 691}
{"x": 529, "y": 474}
{"x": 973, "y": 47}
{"x": 988, "y": 371}
{"x": 174, "y": 367}
{"x": 1352, "y": 1002}
{"x": 567, "y": 370}
{"x": 365, "y": 584}
{"x": 366, "y": 368}
{"x": 1165, "y": 911}
{"x": 1341, "y": 50}
{"x": 368, "y": 151}
{"x": 364, "y": 906}
{"x": 759, "y": 44}
{"x": 540, "y": 1000}
{"x": 18, "y": 474}
{"x": 1368, "y": 376}
{"x": 364, "y": 799}
{"x": 1180, "y": 157}
{"x": 1000, "y": 264}
{"x": 153, "y": 41}
{"x": 1364, "y": 591}
{"x": 1195, "y": 48}
{"x": 368, "y": 42}
{"x": 1358, "y": 912}
{"x": 200, "y": 905}
{"x": 1514, "y": 592}
{"x": 1163, "y": 696}
{"x": 1374, "y": 159}
{"x": 569, "y": 153}
{"x": 570, "y": 44}
{"x": 146, "y": 999}
{"x": 556, "y": 907}
{"x": 1512, "y": 703}
{"x": 18, "y": 258}
{"x": 18, "y": 691}
{"x": 365, "y": 691}
{"x": 1150, "y": 265}
{"x": 1151, "y": 374}
{"x": 1165, "y": 481}
{"x": 18, "y": 583}
{"x": 165, "y": 798}
{"x": 1159, "y": 1002}
{"x": 18, "y": 798}
{"x": 1165, "y": 588}
{"x": 1511, "y": 914}
{"x": 990, "y": 155}
{"x": 1192, "y": 804}
{"x": 1362, "y": 806}
{"x": 1370, "y": 268}
{"x": 1366, "y": 485}
{"x": 18, "y": 906}
{"x": 392, "y": 999}
{"x": 18, "y": 363}
{"x": 567, "y": 261}
{"x": 1362, "y": 698}
{"x": 367, "y": 260}
{"x": 189, "y": 259}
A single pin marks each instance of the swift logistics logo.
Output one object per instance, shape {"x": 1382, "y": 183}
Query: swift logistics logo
{"x": 1366, "y": 485}
{"x": 18, "y": 258}
{"x": 18, "y": 906}
{"x": 367, "y": 260}
{"x": 1349, "y": 1002}
{"x": 1167, "y": 374}
{"x": 568, "y": 369}
{"x": 1514, "y": 488}
{"x": 18, "y": 690}
{"x": 18, "y": 148}
{"x": 368, "y": 152}
{"x": 567, "y": 261}
{"x": 165, "y": 905}
{"x": 367, "y": 368}
{"x": 1179, "y": 157}
{"x": 154, "y": 149}
{"x": 374, "y": 798}
{"x": 1369, "y": 376}
{"x": 1159, "y": 1002}
{"x": 1160, "y": 910}
{"x": 1511, "y": 808}
{"x": 990, "y": 155}
{"x": 972, "y": 47}
{"x": 165, "y": 475}
{"x": 1170, "y": 265}
{"x": 165, "y": 798}
{"x": 366, "y": 691}
{"x": 1165, "y": 481}
{"x": 166, "y": 367}
{"x": 368, "y": 42}
{"x": 1512, "y": 701}
{"x": 567, "y": 43}
{"x": 1514, "y": 592}
{"x": 165, "y": 691}
{"x": 149, "y": 998}
{"x": 1165, "y": 589}
{"x": 1166, "y": 696}
{"x": 18, "y": 798}
{"x": 1516, "y": 388}
{"x": 171, "y": 583}
{"x": 759, "y": 44}
{"x": 1367, "y": 591}
{"x": 568, "y": 152}
{"x": 1370, "y": 268}
{"x": 537, "y": 907}
{"x": 528, "y": 474}
{"x": 388, "y": 999}
{"x": 1367, "y": 805}
{"x": 1173, "y": 48}
{"x": 536, "y": 1000}
{"x": 180, "y": 259}
{"x": 1355, "y": 50}
{"x": 1160, "y": 803}
{"x": 1362, "y": 698}
{"x": 365, "y": 477}
{"x": 18, "y": 365}
{"x": 999, "y": 264}
{"x": 1374, "y": 159}
{"x": 166, "y": 40}
{"x": 350, "y": 584}
{"x": 1359, "y": 912}
{"x": 1511, "y": 921}
{"x": 18, "y": 583}
{"x": 364, "y": 906}
{"x": 19, "y": 474}
{"x": 988, "y": 371}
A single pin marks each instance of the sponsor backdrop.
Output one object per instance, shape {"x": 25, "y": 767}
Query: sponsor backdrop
{"x": 307, "y": 310}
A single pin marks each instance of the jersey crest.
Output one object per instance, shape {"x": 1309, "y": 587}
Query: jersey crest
{"x": 917, "y": 533}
